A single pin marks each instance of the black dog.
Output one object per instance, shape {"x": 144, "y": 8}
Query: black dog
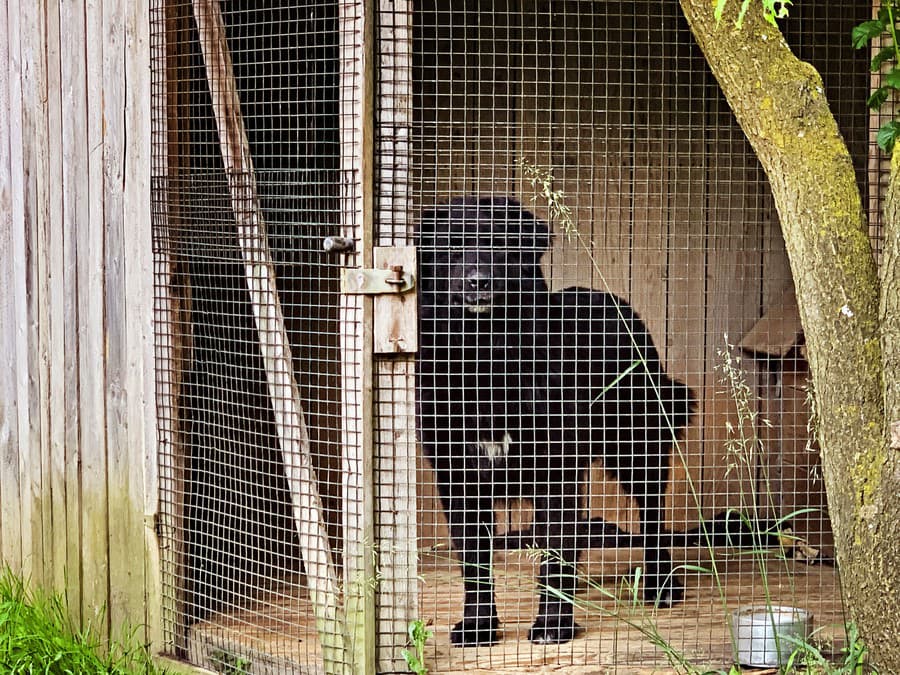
{"x": 520, "y": 389}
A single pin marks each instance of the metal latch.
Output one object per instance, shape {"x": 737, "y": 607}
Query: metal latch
{"x": 394, "y": 307}
{"x": 392, "y": 281}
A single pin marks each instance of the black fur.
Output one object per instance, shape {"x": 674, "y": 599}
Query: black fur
{"x": 520, "y": 389}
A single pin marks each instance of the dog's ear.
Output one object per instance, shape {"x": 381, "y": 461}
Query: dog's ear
{"x": 433, "y": 221}
{"x": 447, "y": 226}
{"x": 522, "y": 229}
{"x": 483, "y": 221}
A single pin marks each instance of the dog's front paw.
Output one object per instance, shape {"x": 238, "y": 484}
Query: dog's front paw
{"x": 553, "y": 630}
{"x": 668, "y": 591}
{"x": 471, "y": 632}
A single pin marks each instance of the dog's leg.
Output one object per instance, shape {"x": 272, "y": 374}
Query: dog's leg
{"x": 471, "y": 519}
{"x": 661, "y": 586}
{"x": 555, "y": 527}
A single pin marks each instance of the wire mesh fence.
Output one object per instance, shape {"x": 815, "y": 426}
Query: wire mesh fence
{"x": 604, "y": 121}
{"x": 248, "y": 181}
{"x": 617, "y": 467}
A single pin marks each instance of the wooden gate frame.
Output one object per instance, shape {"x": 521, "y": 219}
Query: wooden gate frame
{"x": 380, "y": 561}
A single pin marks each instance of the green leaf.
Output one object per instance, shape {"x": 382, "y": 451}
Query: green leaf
{"x": 739, "y": 22}
{"x": 882, "y": 57}
{"x": 720, "y": 8}
{"x": 887, "y": 135}
{"x": 775, "y": 9}
{"x": 878, "y": 97}
{"x": 865, "y": 32}
{"x": 891, "y": 79}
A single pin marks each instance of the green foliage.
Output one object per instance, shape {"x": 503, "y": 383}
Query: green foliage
{"x": 419, "y": 634}
{"x": 228, "y": 663}
{"x": 37, "y": 636}
{"x": 887, "y": 135}
{"x": 886, "y": 61}
{"x": 775, "y": 9}
{"x": 772, "y": 10}
{"x": 809, "y": 657}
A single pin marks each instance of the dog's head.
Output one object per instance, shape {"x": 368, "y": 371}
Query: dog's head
{"x": 481, "y": 253}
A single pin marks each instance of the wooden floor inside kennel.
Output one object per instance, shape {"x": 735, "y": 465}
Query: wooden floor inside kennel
{"x": 276, "y": 634}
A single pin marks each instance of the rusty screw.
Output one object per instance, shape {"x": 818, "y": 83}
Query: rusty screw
{"x": 396, "y": 278}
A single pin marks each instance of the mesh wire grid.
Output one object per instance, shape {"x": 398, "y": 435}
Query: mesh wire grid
{"x": 236, "y": 587}
{"x": 613, "y": 105}
{"x": 665, "y": 206}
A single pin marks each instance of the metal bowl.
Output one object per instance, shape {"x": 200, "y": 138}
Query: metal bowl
{"x": 758, "y": 630}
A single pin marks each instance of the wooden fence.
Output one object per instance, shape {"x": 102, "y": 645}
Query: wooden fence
{"x": 77, "y": 484}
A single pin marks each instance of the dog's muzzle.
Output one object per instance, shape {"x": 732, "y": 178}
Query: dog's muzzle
{"x": 478, "y": 297}
{"x": 480, "y": 306}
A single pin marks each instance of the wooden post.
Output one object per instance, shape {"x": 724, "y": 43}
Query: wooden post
{"x": 172, "y": 312}
{"x": 274, "y": 344}
{"x": 13, "y": 435}
{"x": 34, "y": 336}
{"x": 356, "y": 54}
{"x": 395, "y": 444}
{"x": 878, "y": 166}
{"x": 144, "y": 597}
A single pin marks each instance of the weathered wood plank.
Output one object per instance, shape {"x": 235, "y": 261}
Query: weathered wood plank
{"x": 12, "y": 293}
{"x": 492, "y": 70}
{"x": 653, "y": 177}
{"x": 92, "y": 323}
{"x": 686, "y": 317}
{"x": 685, "y": 309}
{"x": 733, "y": 297}
{"x": 57, "y": 304}
{"x": 445, "y": 161}
{"x": 356, "y": 26}
{"x": 142, "y": 602}
{"x": 123, "y": 573}
{"x": 36, "y": 511}
{"x": 75, "y": 216}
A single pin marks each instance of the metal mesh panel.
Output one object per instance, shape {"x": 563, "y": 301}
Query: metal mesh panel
{"x": 238, "y": 226}
{"x": 546, "y": 416}
{"x": 652, "y": 194}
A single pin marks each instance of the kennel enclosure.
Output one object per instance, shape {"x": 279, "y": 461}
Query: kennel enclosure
{"x": 210, "y": 430}
{"x": 612, "y": 102}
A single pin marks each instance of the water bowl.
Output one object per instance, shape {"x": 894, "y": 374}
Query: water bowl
{"x": 759, "y": 631}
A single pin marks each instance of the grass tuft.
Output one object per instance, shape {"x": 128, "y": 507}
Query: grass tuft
{"x": 37, "y": 635}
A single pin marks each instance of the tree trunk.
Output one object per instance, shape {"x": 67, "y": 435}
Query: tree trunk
{"x": 780, "y": 103}
{"x": 890, "y": 302}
